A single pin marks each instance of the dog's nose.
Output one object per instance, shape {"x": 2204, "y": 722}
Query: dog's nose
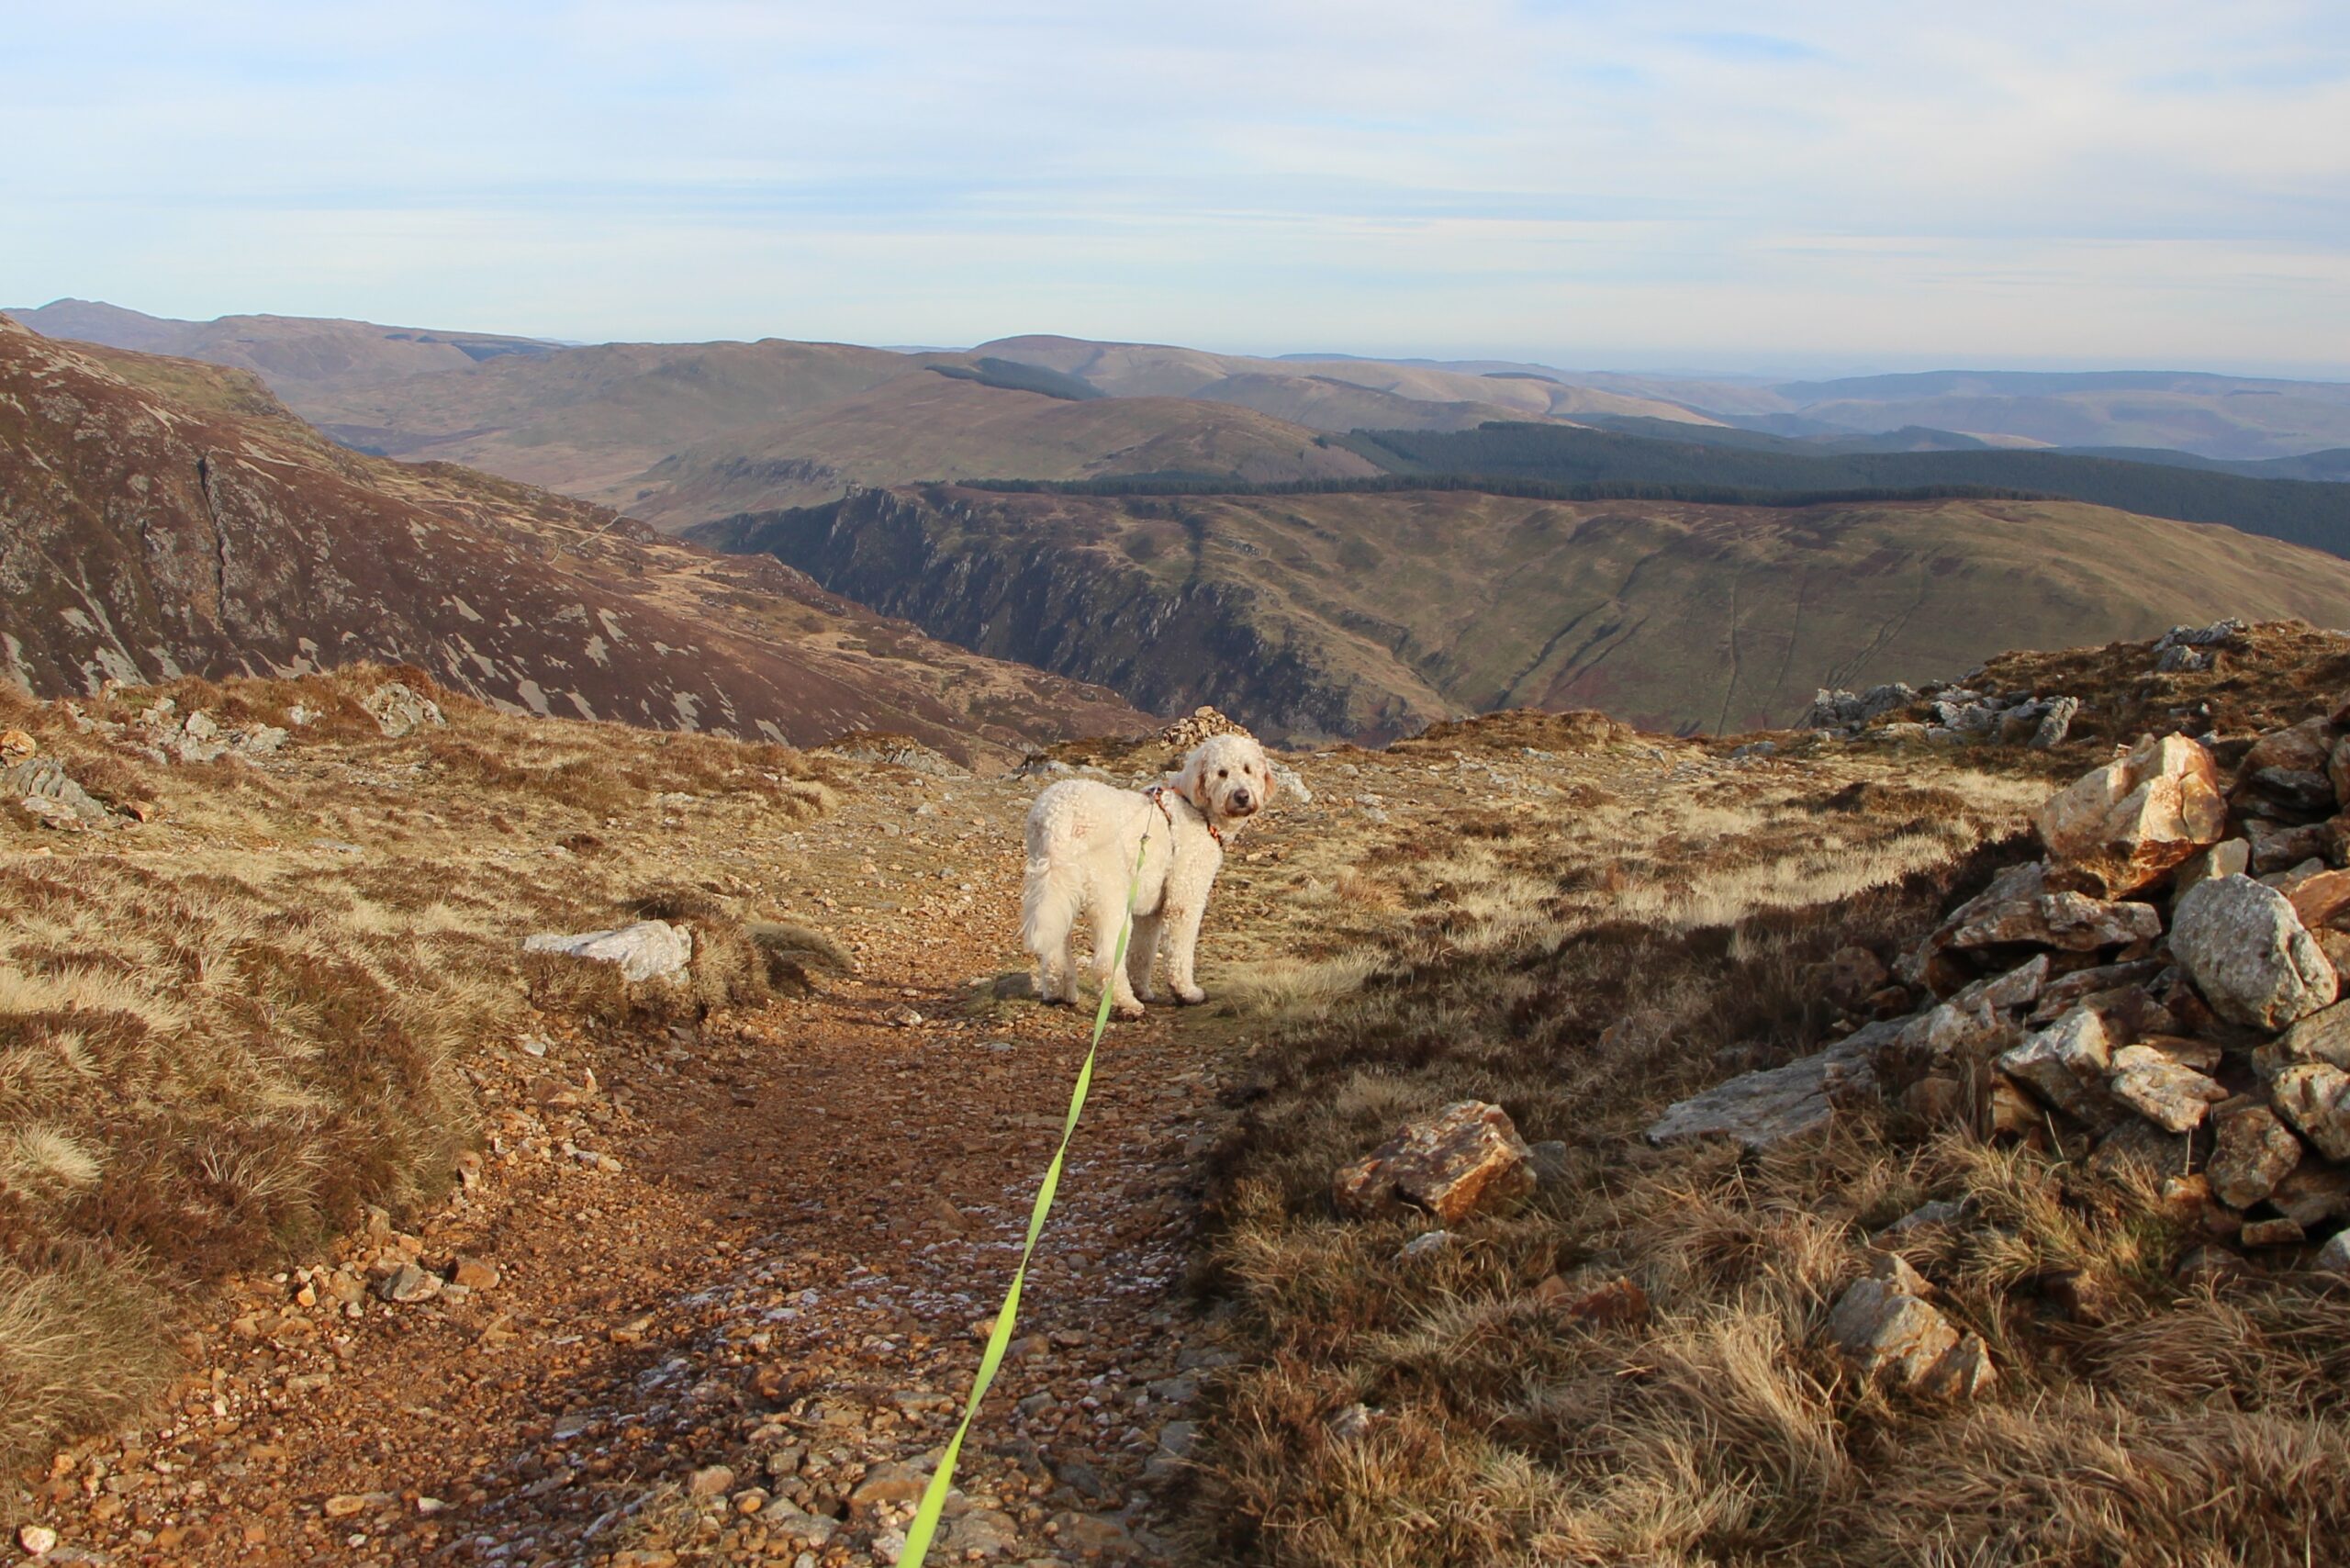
{"x": 1240, "y": 801}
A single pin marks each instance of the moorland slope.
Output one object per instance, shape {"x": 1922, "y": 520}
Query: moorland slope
{"x": 1371, "y": 615}
{"x": 170, "y": 517}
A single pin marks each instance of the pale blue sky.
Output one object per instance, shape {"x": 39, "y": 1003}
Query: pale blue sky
{"x": 1776, "y": 182}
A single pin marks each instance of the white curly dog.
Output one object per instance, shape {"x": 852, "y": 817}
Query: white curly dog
{"x": 1084, "y": 839}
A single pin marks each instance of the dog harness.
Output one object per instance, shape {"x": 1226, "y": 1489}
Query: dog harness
{"x": 1158, "y": 794}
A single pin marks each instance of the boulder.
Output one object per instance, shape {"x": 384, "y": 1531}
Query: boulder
{"x": 400, "y": 710}
{"x": 2305, "y": 790}
{"x": 1776, "y": 1104}
{"x": 2313, "y": 1192}
{"x": 2019, "y": 908}
{"x": 2168, "y": 1093}
{"x": 646, "y": 950}
{"x": 2248, "y": 954}
{"x": 2068, "y": 991}
{"x": 2019, "y": 987}
{"x": 2250, "y": 1155}
{"x": 1464, "y": 1157}
{"x": 2212, "y": 636}
{"x": 2066, "y": 1066}
{"x": 2123, "y": 826}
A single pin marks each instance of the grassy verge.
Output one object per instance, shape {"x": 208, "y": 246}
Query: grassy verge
{"x": 224, "y": 1032}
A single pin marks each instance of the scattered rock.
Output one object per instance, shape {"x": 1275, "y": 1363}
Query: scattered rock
{"x": 1349, "y": 1423}
{"x": 2315, "y": 1098}
{"x": 2172, "y": 1096}
{"x": 1774, "y": 1105}
{"x": 1466, "y": 1156}
{"x": 400, "y": 710}
{"x": 2019, "y": 908}
{"x": 892, "y": 1481}
{"x": 647, "y": 950}
{"x": 2126, "y": 824}
{"x": 1884, "y": 1324}
{"x": 2057, "y": 724}
{"x": 38, "y": 1541}
{"x": 2229, "y": 858}
{"x": 14, "y": 746}
{"x": 710, "y": 1481}
{"x": 44, "y": 789}
{"x": 409, "y": 1283}
{"x": 474, "y": 1274}
{"x": 2066, "y": 1065}
{"x": 2252, "y": 1152}
{"x": 2248, "y": 952}
{"x": 2319, "y": 900}
{"x": 2273, "y": 1233}
{"x": 1427, "y": 1246}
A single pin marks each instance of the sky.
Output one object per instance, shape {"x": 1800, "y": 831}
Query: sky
{"x": 1773, "y": 185}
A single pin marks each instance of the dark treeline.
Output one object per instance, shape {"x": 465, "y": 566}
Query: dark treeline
{"x": 2300, "y": 511}
{"x": 1013, "y": 376}
{"x": 1172, "y": 483}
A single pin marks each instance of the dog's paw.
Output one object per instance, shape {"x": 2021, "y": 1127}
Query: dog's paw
{"x": 1192, "y": 995}
{"x": 1128, "y": 1010}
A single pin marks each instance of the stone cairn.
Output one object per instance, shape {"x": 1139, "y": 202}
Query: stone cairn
{"x": 2161, "y": 987}
{"x": 1197, "y": 725}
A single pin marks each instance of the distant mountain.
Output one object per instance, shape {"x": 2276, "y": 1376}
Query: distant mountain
{"x": 167, "y": 517}
{"x": 2316, "y": 515}
{"x": 1366, "y": 615}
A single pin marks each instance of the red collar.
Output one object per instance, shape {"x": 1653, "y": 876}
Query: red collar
{"x": 1158, "y": 794}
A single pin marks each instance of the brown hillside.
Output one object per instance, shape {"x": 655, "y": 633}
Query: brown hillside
{"x": 1368, "y": 616}
{"x": 168, "y": 517}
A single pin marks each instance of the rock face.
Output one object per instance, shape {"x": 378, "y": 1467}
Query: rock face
{"x": 1466, "y": 1156}
{"x": 2248, "y": 952}
{"x": 646, "y": 950}
{"x": 2129, "y": 822}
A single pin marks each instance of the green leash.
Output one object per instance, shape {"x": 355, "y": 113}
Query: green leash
{"x": 941, "y": 1480}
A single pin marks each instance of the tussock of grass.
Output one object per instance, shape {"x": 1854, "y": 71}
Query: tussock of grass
{"x": 216, "y": 1050}
{"x": 1582, "y": 976}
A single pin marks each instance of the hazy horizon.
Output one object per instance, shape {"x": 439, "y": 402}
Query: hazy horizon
{"x": 1805, "y": 187}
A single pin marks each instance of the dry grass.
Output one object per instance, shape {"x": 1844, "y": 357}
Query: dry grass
{"x": 1581, "y": 971}
{"x": 225, "y": 1032}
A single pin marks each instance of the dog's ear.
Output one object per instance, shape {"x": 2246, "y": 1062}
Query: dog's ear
{"x": 1191, "y": 782}
{"x": 1272, "y": 784}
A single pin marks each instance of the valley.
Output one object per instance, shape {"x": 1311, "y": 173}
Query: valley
{"x": 1371, "y": 615}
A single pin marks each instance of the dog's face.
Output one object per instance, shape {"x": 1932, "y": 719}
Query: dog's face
{"x": 1228, "y": 778}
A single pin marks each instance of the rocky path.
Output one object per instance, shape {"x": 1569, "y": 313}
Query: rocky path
{"x": 719, "y": 1287}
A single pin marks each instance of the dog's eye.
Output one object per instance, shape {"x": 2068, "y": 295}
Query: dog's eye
{"x": 1223, "y": 773}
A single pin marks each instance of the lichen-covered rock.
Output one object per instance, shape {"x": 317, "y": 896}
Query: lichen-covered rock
{"x": 647, "y": 950}
{"x": 2126, "y": 824}
{"x": 2168, "y": 1093}
{"x": 1465, "y": 1158}
{"x": 2252, "y": 1153}
{"x": 2315, "y": 1098}
{"x": 2247, "y": 952}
